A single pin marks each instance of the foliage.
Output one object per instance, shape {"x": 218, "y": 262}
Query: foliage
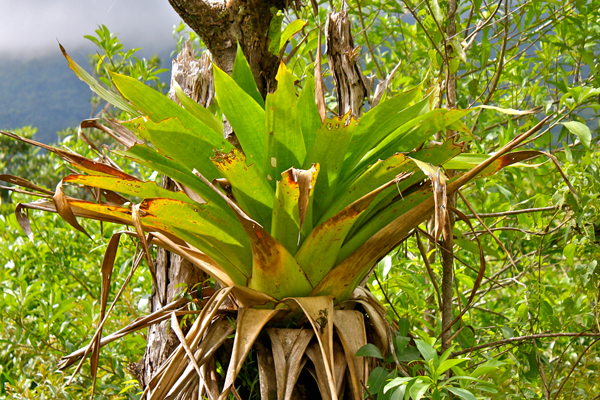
{"x": 114, "y": 59}
{"x": 49, "y": 299}
{"x": 541, "y": 275}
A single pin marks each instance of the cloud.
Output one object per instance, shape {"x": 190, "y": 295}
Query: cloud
{"x": 30, "y": 28}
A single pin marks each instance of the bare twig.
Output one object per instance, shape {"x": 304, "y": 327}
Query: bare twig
{"x": 428, "y": 267}
{"x": 513, "y": 212}
{"x": 523, "y": 338}
{"x": 573, "y": 368}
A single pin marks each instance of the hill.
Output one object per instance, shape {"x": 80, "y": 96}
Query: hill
{"x": 43, "y": 92}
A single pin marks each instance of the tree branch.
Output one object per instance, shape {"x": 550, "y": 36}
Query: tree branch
{"x": 521, "y": 339}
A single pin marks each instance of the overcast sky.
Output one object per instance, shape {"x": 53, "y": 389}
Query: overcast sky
{"x": 30, "y": 28}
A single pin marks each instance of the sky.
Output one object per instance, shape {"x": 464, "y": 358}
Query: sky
{"x": 31, "y": 28}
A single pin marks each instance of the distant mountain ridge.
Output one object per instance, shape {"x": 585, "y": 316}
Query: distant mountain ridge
{"x": 44, "y": 93}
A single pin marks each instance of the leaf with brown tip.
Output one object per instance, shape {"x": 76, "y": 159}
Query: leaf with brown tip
{"x": 293, "y": 201}
{"x": 74, "y": 159}
{"x": 64, "y": 210}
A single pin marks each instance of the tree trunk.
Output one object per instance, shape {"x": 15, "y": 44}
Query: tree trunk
{"x": 173, "y": 273}
{"x": 221, "y": 24}
{"x": 351, "y": 85}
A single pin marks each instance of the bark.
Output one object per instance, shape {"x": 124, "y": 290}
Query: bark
{"x": 196, "y": 79}
{"x": 448, "y": 243}
{"x": 194, "y": 76}
{"x": 221, "y": 24}
{"x": 171, "y": 271}
{"x": 351, "y": 84}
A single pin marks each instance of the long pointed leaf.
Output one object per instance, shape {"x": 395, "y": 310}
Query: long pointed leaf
{"x": 379, "y": 122}
{"x": 249, "y": 186}
{"x": 310, "y": 120}
{"x": 182, "y": 145}
{"x": 328, "y": 150}
{"x": 148, "y": 157}
{"x": 208, "y": 118}
{"x": 284, "y": 145}
{"x": 318, "y": 253}
{"x": 111, "y": 97}
{"x": 246, "y": 116}
{"x": 242, "y": 75}
{"x": 159, "y": 107}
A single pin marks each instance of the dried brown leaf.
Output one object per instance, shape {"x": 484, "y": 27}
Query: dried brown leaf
{"x": 107, "y": 268}
{"x": 319, "y": 312}
{"x": 438, "y": 182}
{"x": 250, "y": 322}
{"x": 179, "y": 333}
{"x": 304, "y": 178}
{"x": 350, "y": 326}
{"x": 15, "y": 180}
{"x": 382, "y": 86}
{"x": 288, "y": 347}
{"x": 23, "y": 220}
{"x": 64, "y": 209}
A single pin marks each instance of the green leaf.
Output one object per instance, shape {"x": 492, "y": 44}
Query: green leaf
{"x": 159, "y": 107}
{"x": 581, "y": 131}
{"x": 182, "y": 145}
{"x": 462, "y": 393}
{"x": 417, "y": 391}
{"x": 376, "y": 175}
{"x": 377, "y": 380}
{"x": 466, "y": 338}
{"x": 104, "y": 93}
{"x": 284, "y": 145}
{"x": 251, "y": 190}
{"x": 275, "y": 31}
{"x": 310, "y": 120}
{"x": 446, "y": 365}
{"x": 148, "y": 157}
{"x": 144, "y": 190}
{"x": 399, "y": 393}
{"x": 328, "y": 150}
{"x": 208, "y": 118}
{"x": 403, "y": 326}
{"x": 370, "y": 350}
{"x": 379, "y": 122}
{"x": 426, "y": 350}
{"x": 247, "y": 118}
{"x": 487, "y": 367}
{"x": 290, "y": 30}
{"x": 242, "y": 75}
{"x": 397, "y": 382}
